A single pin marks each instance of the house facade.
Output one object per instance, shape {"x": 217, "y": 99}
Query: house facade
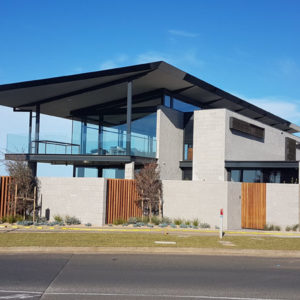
{"x": 207, "y": 143}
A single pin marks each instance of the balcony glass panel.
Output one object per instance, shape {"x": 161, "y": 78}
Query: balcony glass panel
{"x": 48, "y": 144}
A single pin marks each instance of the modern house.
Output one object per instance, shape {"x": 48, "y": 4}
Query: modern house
{"x": 127, "y": 116}
{"x": 205, "y": 140}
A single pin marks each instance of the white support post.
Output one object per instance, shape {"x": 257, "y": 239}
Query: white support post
{"x": 221, "y": 224}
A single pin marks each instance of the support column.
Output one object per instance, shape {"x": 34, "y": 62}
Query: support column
{"x": 129, "y": 112}
{"x": 37, "y": 128}
{"x": 29, "y": 134}
{"x": 129, "y": 171}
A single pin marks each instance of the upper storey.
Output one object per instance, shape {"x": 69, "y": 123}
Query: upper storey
{"x": 91, "y": 94}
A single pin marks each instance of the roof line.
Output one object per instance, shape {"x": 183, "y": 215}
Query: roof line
{"x": 82, "y": 76}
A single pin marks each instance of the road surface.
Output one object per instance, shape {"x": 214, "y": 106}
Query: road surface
{"x": 104, "y": 276}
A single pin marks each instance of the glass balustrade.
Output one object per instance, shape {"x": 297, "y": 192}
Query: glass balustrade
{"x": 113, "y": 143}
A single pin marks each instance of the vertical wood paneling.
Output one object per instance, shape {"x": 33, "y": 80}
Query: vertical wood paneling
{"x": 253, "y": 205}
{"x": 5, "y": 196}
{"x": 121, "y": 200}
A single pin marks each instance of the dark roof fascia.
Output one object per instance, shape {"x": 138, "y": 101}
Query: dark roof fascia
{"x": 262, "y": 164}
{"x": 200, "y": 83}
{"x": 82, "y": 76}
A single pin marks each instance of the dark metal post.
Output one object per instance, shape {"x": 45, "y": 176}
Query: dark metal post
{"x": 100, "y": 136}
{"x": 129, "y": 112}
{"x": 37, "y": 128}
{"x": 29, "y": 134}
{"x": 83, "y": 136}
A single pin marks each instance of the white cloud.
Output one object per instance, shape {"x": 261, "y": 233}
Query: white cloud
{"x": 116, "y": 62}
{"x": 284, "y": 108}
{"x": 183, "y": 33}
{"x": 182, "y": 60}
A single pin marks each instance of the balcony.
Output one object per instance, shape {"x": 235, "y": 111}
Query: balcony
{"x": 113, "y": 144}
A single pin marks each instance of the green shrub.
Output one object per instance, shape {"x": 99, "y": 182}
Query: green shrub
{"x": 155, "y": 220}
{"x": 288, "y": 228}
{"x": 119, "y": 221}
{"x": 204, "y": 225}
{"x": 58, "y": 219}
{"x": 4, "y": 219}
{"x": 132, "y": 220}
{"x": 277, "y": 228}
{"x": 72, "y": 220}
{"x": 11, "y": 219}
{"x": 19, "y": 218}
{"x": 187, "y": 222}
{"x": 295, "y": 227}
{"x": 166, "y": 220}
{"x": 177, "y": 221}
{"x": 196, "y": 222}
{"x": 269, "y": 227}
{"x": 144, "y": 219}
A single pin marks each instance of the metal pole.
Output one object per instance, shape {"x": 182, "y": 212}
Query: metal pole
{"x": 30, "y": 132}
{"x": 129, "y": 112}
{"x": 37, "y": 128}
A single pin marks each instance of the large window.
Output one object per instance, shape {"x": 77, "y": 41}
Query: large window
{"x": 267, "y": 175}
{"x": 110, "y": 139}
{"x": 179, "y": 105}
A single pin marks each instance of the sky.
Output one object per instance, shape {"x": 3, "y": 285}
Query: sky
{"x": 249, "y": 48}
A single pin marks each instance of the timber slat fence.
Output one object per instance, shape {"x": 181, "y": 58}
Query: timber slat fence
{"x": 122, "y": 200}
{"x": 5, "y": 196}
{"x": 253, "y": 205}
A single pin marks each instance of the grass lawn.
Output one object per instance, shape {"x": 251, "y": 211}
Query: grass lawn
{"x": 13, "y": 239}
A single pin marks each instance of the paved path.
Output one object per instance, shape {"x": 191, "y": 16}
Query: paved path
{"x": 120, "y": 276}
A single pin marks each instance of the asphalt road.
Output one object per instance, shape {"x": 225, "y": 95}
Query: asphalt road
{"x": 105, "y": 276}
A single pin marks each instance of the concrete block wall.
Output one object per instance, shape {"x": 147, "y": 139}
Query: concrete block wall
{"x": 209, "y": 145}
{"x": 282, "y": 204}
{"x": 234, "y": 205}
{"x": 84, "y": 198}
{"x": 243, "y": 148}
{"x": 214, "y": 143}
{"x": 192, "y": 199}
{"x": 169, "y": 142}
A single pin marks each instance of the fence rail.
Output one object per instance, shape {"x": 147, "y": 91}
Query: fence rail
{"x": 122, "y": 200}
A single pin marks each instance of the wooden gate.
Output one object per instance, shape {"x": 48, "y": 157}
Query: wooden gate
{"x": 122, "y": 200}
{"x": 253, "y": 205}
{"x": 5, "y": 196}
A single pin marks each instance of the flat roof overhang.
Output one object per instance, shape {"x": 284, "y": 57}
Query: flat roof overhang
{"x": 94, "y": 92}
{"x": 262, "y": 164}
{"x": 80, "y": 160}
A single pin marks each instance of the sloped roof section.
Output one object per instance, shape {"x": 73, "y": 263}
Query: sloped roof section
{"x": 63, "y": 96}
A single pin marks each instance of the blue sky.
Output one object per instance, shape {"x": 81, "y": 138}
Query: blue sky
{"x": 248, "y": 48}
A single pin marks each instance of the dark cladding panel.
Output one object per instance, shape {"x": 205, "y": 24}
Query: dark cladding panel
{"x": 290, "y": 149}
{"x": 245, "y": 127}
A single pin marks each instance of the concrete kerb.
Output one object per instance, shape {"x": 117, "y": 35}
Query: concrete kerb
{"x": 149, "y": 250}
{"x": 158, "y": 230}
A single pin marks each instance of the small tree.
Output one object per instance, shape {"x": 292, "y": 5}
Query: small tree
{"x": 24, "y": 181}
{"x": 149, "y": 188}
